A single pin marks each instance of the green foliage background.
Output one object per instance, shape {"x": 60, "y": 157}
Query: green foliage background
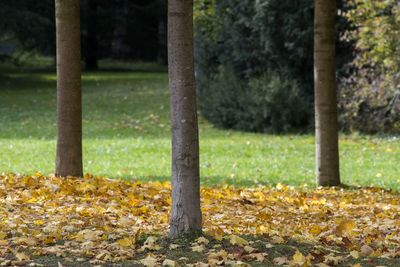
{"x": 370, "y": 97}
{"x": 254, "y": 54}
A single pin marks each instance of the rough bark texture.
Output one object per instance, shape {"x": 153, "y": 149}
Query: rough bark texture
{"x": 186, "y": 214}
{"x": 326, "y": 122}
{"x": 91, "y": 37}
{"x": 69, "y": 106}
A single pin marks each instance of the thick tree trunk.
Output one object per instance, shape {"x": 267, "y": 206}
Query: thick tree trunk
{"x": 69, "y": 106}
{"x": 186, "y": 214}
{"x": 326, "y": 122}
{"x": 91, "y": 37}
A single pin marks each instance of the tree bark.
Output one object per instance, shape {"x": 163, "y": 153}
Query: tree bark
{"x": 326, "y": 122}
{"x": 69, "y": 102}
{"x": 91, "y": 57}
{"x": 186, "y": 214}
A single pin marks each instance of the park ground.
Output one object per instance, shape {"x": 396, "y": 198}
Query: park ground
{"x": 127, "y": 136}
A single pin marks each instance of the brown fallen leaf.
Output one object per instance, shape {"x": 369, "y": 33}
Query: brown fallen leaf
{"x": 280, "y": 260}
{"x": 366, "y": 250}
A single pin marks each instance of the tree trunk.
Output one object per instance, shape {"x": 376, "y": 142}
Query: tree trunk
{"x": 69, "y": 106}
{"x": 186, "y": 214}
{"x": 326, "y": 122}
{"x": 91, "y": 37}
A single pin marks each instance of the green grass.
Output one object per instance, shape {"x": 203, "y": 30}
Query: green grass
{"x": 127, "y": 134}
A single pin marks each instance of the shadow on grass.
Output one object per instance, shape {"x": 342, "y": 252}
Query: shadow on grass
{"x": 205, "y": 180}
{"x": 270, "y": 254}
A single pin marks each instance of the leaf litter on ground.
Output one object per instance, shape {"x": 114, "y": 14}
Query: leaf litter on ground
{"x": 109, "y": 220}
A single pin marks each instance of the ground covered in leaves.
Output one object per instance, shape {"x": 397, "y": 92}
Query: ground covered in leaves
{"x": 49, "y": 221}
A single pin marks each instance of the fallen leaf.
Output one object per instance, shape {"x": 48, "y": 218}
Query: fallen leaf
{"x": 236, "y": 240}
{"x": 173, "y": 246}
{"x": 202, "y": 240}
{"x": 125, "y": 242}
{"x": 149, "y": 261}
{"x": 355, "y": 254}
{"x": 345, "y": 227}
{"x": 298, "y": 259}
{"x": 22, "y": 256}
{"x": 366, "y": 250}
{"x": 198, "y": 248}
{"x": 280, "y": 260}
{"x": 169, "y": 263}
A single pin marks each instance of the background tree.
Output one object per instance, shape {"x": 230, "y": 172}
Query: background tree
{"x": 326, "y": 122}
{"x": 91, "y": 56}
{"x": 109, "y": 28}
{"x": 26, "y": 26}
{"x": 186, "y": 214}
{"x": 253, "y": 57}
{"x": 370, "y": 96}
{"x": 69, "y": 102}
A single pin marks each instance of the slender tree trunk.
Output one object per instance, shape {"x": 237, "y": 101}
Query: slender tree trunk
{"x": 326, "y": 122}
{"x": 91, "y": 37}
{"x": 69, "y": 106}
{"x": 186, "y": 214}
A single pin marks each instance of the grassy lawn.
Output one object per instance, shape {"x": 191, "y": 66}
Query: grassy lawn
{"x": 126, "y": 134}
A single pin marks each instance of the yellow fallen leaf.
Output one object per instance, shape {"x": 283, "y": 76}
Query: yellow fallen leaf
{"x": 220, "y": 255}
{"x": 355, "y": 254}
{"x": 277, "y": 240}
{"x": 199, "y": 248}
{"x": 217, "y": 233}
{"x": 104, "y": 256}
{"x": 22, "y": 256}
{"x": 345, "y": 227}
{"x": 150, "y": 244}
{"x": 202, "y": 240}
{"x": 236, "y": 240}
{"x": 149, "y": 261}
{"x": 298, "y": 259}
{"x": 38, "y": 222}
{"x": 249, "y": 249}
{"x": 260, "y": 257}
{"x": 239, "y": 264}
{"x": 125, "y": 242}
{"x": 169, "y": 263}
{"x": 2, "y": 235}
{"x": 315, "y": 230}
{"x": 26, "y": 241}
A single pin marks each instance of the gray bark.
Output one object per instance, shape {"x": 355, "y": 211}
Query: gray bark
{"x": 186, "y": 214}
{"x": 326, "y": 122}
